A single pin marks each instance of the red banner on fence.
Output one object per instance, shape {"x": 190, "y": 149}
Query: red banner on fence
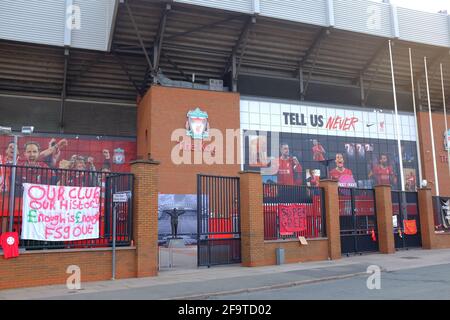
{"x": 410, "y": 227}
{"x": 292, "y": 218}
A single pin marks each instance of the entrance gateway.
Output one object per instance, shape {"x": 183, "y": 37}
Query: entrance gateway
{"x": 218, "y": 220}
{"x": 406, "y": 220}
{"x": 358, "y": 221}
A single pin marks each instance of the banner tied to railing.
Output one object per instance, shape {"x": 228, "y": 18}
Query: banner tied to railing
{"x": 292, "y": 218}
{"x": 58, "y": 213}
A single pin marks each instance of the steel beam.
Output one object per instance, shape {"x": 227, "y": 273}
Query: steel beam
{"x": 374, "y": 76}
{"x": 138, "y": 34}
{"x": 314, "y": 48}
{"x": 374, "y": 57}
{"x": 176, "y": 67}
{"x": 158, "y": 42}
{"x": 125, "y": 70}
{"x": 315, "y": 44}
{"x": 434, "y": 61}
{"x": 242, "y": 42}
{"x": 64, "y": 89}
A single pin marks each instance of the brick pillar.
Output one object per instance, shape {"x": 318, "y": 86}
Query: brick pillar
{"x": 383, "y": 199}
{"x": 332, "y": 218}
{"x": 252, "y": 219}
{"x": 145, "y": 216}
{"x": 426, "y": 213}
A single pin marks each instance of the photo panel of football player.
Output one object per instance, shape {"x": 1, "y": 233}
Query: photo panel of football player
{"x": 318, "y": 151}
{"x": 289, "y": 168}
{"x": 382, "y": 172}
{"x": 342, "y": 174}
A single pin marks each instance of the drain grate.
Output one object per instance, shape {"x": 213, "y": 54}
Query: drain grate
{"x": 410, "y": 258}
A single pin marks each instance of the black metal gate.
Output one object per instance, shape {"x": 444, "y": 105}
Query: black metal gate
{"x": 406, "y": 220}
{"x": 218, "y": 214}
{"x": 358, "y": 222}
{"x": 119, "y": 183}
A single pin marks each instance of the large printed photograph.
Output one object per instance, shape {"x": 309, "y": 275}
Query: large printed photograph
{"x": 304, "y": 159}
{"x": 106, "y": 154}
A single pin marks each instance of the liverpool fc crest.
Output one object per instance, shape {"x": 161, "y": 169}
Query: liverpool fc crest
{"x": 197, "y": 125}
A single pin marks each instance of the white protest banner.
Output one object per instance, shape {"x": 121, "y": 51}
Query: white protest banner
{"x": 58, "y": 213}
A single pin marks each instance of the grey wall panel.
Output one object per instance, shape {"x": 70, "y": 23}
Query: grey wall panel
{"x": 321, "y": 93}
{"x": 424, "y": 27}
{"x": 86, "y": 118}
{"x": 34, "y": 21}
{"x": 305, "y": 11}
{"x": 96, "y": 20}
{"x": 245, "y": 6}
{"x": 43, "y": 22}
{"x": 363, "y": 16}
{"x": 80, "y": 118}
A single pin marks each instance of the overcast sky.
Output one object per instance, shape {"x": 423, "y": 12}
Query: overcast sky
{"x": 424, "y": 5}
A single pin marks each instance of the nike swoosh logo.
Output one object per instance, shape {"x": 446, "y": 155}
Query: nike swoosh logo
{"x": 370, "y": 125}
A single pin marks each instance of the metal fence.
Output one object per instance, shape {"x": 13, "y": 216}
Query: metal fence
{"x": 406, "y": 218}
{"x": 11, "y": 194}
{"x": 358, "y": 222}
{"x": 218, "y": 220}
{"x": 310, "y": 198}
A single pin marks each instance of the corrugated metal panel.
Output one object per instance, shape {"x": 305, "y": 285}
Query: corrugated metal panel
{"x": 245, "y": 6}
{"x": 306, "y": 11}
{"x": 43, "y": 22}
{"x": 34, "y": 21}
{"x": 96, "y": 20}
{"x": 363, "y": 16}
{"x": 424, "y": 27}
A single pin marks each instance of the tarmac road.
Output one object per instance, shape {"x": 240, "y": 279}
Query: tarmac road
{"x": 414, "y": 274}
{"x": 427, "y": 283}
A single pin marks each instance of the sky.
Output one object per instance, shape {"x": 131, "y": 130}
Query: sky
{"x": 423, "y": 5}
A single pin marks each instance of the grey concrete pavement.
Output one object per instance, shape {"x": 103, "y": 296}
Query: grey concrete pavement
{"x": 204, "y": 283}
{"x": 426, "y": 283}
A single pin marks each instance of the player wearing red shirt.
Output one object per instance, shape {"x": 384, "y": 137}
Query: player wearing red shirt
{"x": 411, "y": 182}
{"x": 289, "y": 169}
{"x": 318, "y": 151}
{"x": 342, "y": 174}
{"x": 383, "y": 173}
{"x": 35, "y": 171}
{"x": 4, "y": 171}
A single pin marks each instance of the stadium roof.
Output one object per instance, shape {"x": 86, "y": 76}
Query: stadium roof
{"x": 203, "y": 40}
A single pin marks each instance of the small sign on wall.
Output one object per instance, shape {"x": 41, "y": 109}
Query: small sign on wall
{"x": 303, "y": 241}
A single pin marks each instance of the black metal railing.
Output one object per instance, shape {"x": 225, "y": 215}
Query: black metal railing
{"x": 109, "y": 183}
{"x": 358, "y": 221}
{"x": 406, "y": 218}
{"x": 310, "y": 198}
{"x": 218, "y": 220}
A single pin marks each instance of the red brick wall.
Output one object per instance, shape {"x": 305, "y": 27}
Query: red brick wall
{"x": 162, "y": 111}
{"x": 49, "y": 267}
{"x": 316, "y": 250}
{"x": 441, "y": 153}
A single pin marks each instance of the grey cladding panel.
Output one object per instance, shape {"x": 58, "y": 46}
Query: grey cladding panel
{"x": 363, "y": 16}
{"x": 80, "y": 118}
{"x": 306, "y": 11}
{"x": 424, "y": 27}
{"x": 34, "y": 21}
{"x": 244, "y": 6}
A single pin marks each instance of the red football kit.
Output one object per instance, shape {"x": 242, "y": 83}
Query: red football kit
{"x": 286, "y": 171}
{"x": 318, "y": 152}
{"x": 383, "y": 174}
{"x": 336, "y": 174}
{"x": 10, "y": 244}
